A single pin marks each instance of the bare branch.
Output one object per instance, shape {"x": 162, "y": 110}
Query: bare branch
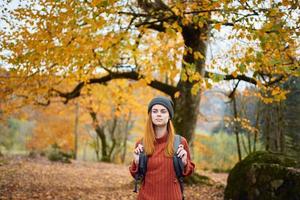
{"x": 234, "y": 89}
{"x": 153, "y": 6}
{"x": 276, "y": 80}
{"x": 155, "y": 13}
{"x": 243, "y": 78}
{"x": 153, "y": 25}
{"x": 132, "y": 75}
{"x": 231, "y": 77}
{"x": 202, "y": 11}
{"x": 134, "y": 14}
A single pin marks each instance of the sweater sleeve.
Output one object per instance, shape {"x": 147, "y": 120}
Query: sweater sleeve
{"x": 133, "y": 168}
{"x": 190, "y": 166}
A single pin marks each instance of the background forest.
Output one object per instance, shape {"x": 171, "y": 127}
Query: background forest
{"x": 76, "y": 77}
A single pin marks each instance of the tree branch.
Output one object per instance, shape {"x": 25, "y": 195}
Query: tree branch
{"x": 132, "y": 75}
{"x": 276, "y": 80}
{"x": 153, "y": 6}
{"x": 157, "y": 24}
{"x": 163, "y": 87}
{"x": 243, "y": 78}
{"x": 231, "y": 77}
{"x": 234, "y": 89}
{"x": 202, "y": 11}
{"x": 152, "y": 25}
{"x": 134, "y": 14}
{"x": 155, "y": 12}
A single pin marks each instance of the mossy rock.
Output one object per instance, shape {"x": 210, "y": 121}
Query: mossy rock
{"x": 264, "y": 175}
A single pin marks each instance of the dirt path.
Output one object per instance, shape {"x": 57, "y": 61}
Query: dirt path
{"x": 22, "y": 178}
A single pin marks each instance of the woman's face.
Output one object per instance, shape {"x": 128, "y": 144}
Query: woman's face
{"x": 160, "y": 115}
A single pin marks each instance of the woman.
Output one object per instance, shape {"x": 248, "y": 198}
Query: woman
{"x": 160, "y": 182}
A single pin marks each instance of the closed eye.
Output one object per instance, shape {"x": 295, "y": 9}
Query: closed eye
{"x": 161, "y": 111}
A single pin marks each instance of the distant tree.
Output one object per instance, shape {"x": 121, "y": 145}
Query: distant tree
{"x": 161, "y": 43}
{"x": 291, "y": 116}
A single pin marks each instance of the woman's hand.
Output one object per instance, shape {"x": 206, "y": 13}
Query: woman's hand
{"x": 137, "y": 151}
{"x": 181, "y": 153}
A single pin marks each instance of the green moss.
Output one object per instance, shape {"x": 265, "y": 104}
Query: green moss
{"x": 254, "y": 175}
{"x": 271, "y": 158}
{"x": 57, "y": 155}
{"x": 219, "y": 170}
{"x": 197, "y": 179}
{"x": 3, "y": 161}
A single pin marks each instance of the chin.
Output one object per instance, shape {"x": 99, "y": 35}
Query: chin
{"x": 160, "y": 124}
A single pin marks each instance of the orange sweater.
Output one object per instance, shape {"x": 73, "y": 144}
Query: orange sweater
{"x": 160, "y": 182}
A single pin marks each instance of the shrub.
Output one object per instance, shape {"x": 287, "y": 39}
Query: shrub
{"x": 57, "y": 155}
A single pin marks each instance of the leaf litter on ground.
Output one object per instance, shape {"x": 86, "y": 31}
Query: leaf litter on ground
{"x": 23, "y": 178}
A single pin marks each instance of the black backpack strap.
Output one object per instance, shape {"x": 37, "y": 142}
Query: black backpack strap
{"x": 142, "y": 169}
{"x": 136, "y": 178}
{"x": 178, "y": 164}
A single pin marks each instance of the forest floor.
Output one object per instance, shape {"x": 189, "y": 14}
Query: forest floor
{"x": 27, "y": 178}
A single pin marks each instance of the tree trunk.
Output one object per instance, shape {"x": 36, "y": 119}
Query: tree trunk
{"x": 112, "y": 131}
{"x": 124, "y": 147}
{"x": 76, "y": 130}
{"x": 97, "y": 148}
{"x": 256, "y": 125}
{"x": 187, "y": 105}
{"x": 100, "y": 133}
{"x": 249, "y": 142}
{"x": 186, "y": 109}
{"x": 128, "y": 126}
{"x": 236, "y": 130}
{"x": 267, "y": 129}
{"x": 104, "y": 146}
{"x": 280, "y": 128}
{"x": 246, "y": 150}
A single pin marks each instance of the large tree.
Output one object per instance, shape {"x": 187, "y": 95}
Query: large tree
{"x": 161, "y": 43}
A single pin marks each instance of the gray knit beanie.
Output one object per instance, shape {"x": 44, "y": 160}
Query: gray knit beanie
{"x": 164, "y": 101}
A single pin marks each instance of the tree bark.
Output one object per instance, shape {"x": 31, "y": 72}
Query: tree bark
{"x": 258, "y": 109}
{"x": 76, "y": 130}
{"x": 280, "y": 128}
{"x": 236, "y": 129}
{"x": 249, "y": 142}
{"x": 187, "y": 105}
{"x": 246, "y": 150}
{"x": 104, "y": 146}
{"x": 100, "y": 133}
{"x": 97, "y": 148}
{"x": 128, "y": 126}
{"x": 113, "y": 138}
{"x": 267, "y": 129}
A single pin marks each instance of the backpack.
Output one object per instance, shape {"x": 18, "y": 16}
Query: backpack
{"x": 177, "y": 162}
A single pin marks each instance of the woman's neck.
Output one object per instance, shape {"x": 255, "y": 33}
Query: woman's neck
{"x": 160, "y": 131}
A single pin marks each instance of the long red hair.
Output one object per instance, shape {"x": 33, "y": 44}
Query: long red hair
{"x": 149, "y": 137}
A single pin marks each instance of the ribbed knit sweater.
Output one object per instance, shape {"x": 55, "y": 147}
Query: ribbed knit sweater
{"x": 160, "y": 182}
